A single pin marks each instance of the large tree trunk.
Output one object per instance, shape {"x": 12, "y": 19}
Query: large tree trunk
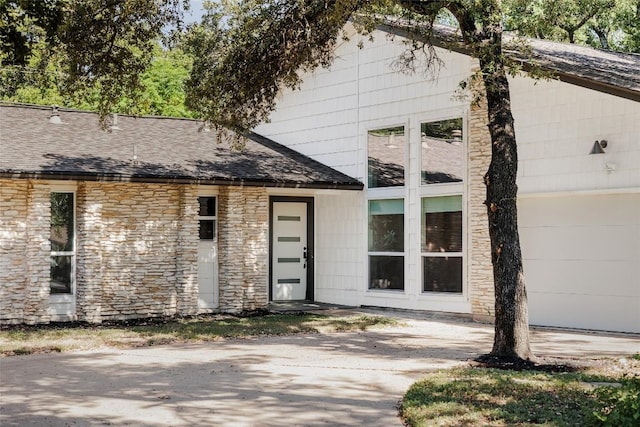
{"x": 511, "y": 340}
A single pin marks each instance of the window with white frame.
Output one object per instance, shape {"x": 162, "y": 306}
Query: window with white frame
{"x": 386, "y": 189}
{"x": 441, "y": 217}
{"x": 386, "y": 157}
{"x": 386, "y": 244}
{"x": 441, "y": 220}
{"x": 442, "y": 151}
{"x": 207, "y": 217}
{"x": 62, "y": 238}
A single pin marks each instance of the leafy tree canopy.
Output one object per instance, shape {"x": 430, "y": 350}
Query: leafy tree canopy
{"x": 161, "y": 89}
{"x": 102, "y": 54}
{"x": 95, "y": 50}
{"x": 606, "y": 24}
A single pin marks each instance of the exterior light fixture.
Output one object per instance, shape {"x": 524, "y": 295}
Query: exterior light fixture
{"x": 598, "y": 147}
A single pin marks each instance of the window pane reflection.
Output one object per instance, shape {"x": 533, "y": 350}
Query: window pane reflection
{"x": 60, "y": 274}
{"x": 386, "y": 272}
{"x": 386, "y": 157}
{"x": 207, "y": 229}
{"x": 61, "y": 235}
{"x": 442, "y": 274}
{"x": 442, "y": 151}
{"x": 386, "y": 225}
{"x": 207, "y": 206}
{"x": 442, "y": 224}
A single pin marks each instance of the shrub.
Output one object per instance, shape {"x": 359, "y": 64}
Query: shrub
{"x": 621, "y": 405}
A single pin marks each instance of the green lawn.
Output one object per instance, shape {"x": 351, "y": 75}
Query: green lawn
{"x": 60, "y": 337}
{"x": 478, "y": 396}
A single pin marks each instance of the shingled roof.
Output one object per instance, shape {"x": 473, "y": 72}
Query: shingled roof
{"x": 610, "y": 72}
{"x": 148, "y": 149}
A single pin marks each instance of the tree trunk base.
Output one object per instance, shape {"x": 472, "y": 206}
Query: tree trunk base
{"x": 515, "y": 363}
{"x": 551, "y": 365}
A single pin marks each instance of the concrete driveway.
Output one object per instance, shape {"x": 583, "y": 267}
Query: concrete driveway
{"x": 344, "y": 379}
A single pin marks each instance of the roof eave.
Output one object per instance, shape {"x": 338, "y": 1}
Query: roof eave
{"x": 458, "y": 46}
{"x": 599, "y": 86}
{"x": 94, "y": 177}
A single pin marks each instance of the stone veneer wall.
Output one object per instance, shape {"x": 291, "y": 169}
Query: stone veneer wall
{"x": 24, "y": 252}
{"x": 243, "y": 248}
{"x": 137, "y": 250}
{"x": 187, "y": 258}
{"x": 481, "y": 270}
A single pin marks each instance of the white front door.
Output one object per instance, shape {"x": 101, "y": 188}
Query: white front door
{"x": 207, "y": 254}
{"x": 289, "y": 254}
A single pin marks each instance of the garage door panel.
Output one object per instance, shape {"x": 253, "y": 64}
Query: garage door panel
{"x": 594, "y": 243}
{"x": 585, "y": 311}
{"x": 579, "y": 277}
{"x": 581, "y": 257}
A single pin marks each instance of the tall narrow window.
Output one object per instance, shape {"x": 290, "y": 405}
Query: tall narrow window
{"x": 442, "y": 151}
{"x": 62, "y": 243}
{"x": 207, "y": 218}
{"x": 386, "y": 244}
{"x": 442, "y": 244}
{"x": 386, "y": 157}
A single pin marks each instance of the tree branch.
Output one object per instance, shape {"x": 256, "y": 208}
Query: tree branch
{"x": 460, "y": 11}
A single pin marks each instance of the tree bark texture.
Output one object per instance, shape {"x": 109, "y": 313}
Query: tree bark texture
{"x": 511, "y": 339}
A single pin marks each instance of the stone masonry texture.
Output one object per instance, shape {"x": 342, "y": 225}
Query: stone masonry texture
{"x": 136, "y": 250}
{"x": 24, "y": 252}
{"x": 243, "y": 247}
{"x": 481, "y": 269}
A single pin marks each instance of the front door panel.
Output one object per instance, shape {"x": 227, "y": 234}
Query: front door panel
{"x": 207, "y": 254}
{"x": 289, "y": 254}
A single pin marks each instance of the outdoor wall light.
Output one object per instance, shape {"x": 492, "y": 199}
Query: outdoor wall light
{"x": 598, "y": 147}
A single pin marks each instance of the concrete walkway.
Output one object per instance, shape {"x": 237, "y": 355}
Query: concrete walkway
{"x": 344, "y": 379}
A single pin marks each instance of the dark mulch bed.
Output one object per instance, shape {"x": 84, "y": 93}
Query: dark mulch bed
{"x": 549, "y": 365}
{"x": 148, "y": 321}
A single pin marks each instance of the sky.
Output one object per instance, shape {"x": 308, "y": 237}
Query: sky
{"x": 195, "y": 12}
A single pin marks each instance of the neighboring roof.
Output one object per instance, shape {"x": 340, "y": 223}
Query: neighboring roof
{"x": 605, "y": 71}
{"x": 166, "y": 150}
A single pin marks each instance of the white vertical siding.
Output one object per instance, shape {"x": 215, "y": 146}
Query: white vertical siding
{"x": 325, "y": 118}
{"x": 328, "y": 119}
{"x": 338, "y": 257}
{"x": 556, "y": 126}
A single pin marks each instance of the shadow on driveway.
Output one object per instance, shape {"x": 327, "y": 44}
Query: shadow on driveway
{"x": 350, "y": 379}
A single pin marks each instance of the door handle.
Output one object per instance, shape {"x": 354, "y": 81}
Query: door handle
{"x": 304, "y": 255}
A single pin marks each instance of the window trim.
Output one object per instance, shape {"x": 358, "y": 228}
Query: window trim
{"x": 407, "y": 138}
{"x": 404, "y": 253}
{"x": 459, "y": 254}
{"x": 66, "y": 297}
{"x": 213, "y": 218}
{"x": 444, "y": 187}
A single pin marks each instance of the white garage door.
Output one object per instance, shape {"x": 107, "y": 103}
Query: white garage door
{"x": 582, "y": 260}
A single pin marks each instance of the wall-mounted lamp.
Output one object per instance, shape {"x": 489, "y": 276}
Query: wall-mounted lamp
{"x": 598, "y": 147}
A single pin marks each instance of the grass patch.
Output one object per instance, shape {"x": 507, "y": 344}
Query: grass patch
{"x": 21, "y": 340}
{"x": 479, "y": 396}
